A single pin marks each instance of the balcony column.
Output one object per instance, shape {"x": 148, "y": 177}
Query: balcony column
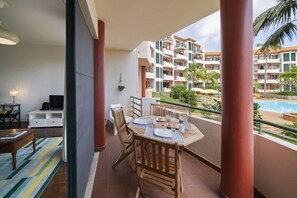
{"x": 143, "y": 81}
{"x": 237, "y": 101}
{"x": 99, "y": 89}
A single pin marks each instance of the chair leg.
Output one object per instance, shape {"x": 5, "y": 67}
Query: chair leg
{"x": 115, "y": 131}
{"x": 121, "y": 157}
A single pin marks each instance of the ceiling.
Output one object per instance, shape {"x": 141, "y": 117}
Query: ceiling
{"x": 129, "y": 22}
{"x": 41, "y": 22}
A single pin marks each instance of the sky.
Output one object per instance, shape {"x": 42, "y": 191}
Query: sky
{"x": 207, "y": 31}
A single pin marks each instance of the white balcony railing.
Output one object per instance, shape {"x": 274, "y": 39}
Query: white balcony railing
{"x": 168, "y": 77}
{"x": 165, "y": 89}
{"x": 180, "y": 56}
{"x": 150, "y": 75}
{"x": 268, "y": 81}
{"x": 178, "y": 78}
{"x": 168, "y": 52}
{"x": 178, "y": 67}
{"x": 212, "y": 62}
{"x": 168, "y": 64}
{"x": 198, "y": 61}
{"x": 262, "y": 71}
{"x": 263, "y": 61}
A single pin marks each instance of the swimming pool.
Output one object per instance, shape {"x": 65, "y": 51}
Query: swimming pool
{"x": 277, "y": 106}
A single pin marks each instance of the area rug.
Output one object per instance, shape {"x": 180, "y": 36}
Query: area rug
{"x": 34, "y": 170}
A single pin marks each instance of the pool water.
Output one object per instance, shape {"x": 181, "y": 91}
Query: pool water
{"x": 277, "y": 106}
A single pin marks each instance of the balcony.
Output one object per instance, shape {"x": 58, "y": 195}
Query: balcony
{"x": 167, "y": 39}
{"x": 180, "y": 46}
{"x": 168, "y": 64}
{"x": 182, "y": 79}
{"x": 180, "y": 67}
{"x": 150, "y": 75}
{"x": 212, "y": 62}
{"x": 168, "y": 77}
{"x": 263, "y": 61}
{"x": 262, "y": 71}
{"x": 272, "y": 81}
{"x": 199, "y": 61}
{"x": 180, "y": 57}
{"x": 168, "y": 52}
{"x": 165, "y": 89}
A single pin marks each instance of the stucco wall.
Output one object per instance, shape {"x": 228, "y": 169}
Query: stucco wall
{"x": 36, "y": 71}
{"x": 116, "y": 62}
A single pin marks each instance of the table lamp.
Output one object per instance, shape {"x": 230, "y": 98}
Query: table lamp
{"x": 13, "y": 93}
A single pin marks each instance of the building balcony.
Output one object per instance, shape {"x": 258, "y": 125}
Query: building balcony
{"x": 150, "y": 75}
{"x": 168, "y": 64}
{"x": 165, "y": 89}
{"x": 180, "y": 57}
{"x": 168, "y": 77}
{"x": 167, "y": 40}
{"x": 182, "y": 79}
{"x": 199, "y": 61}
{"x": 212, "y": 62}
{"x": 180, "y": 67}
{"x": 263, "y": 61}
{"x": 168, "y": 52}
{"x": 271, "y": 81}
{"x": 262, "y": 71}
{"x": 180, "y": 46}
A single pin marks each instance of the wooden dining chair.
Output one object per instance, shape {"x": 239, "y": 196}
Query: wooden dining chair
{"x": 126, "y": 143}
{"x": 157, "y": 165}
{"x": 157, "y": 110}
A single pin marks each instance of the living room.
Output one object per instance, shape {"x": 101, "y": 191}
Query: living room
{"x": 33, "y": 69}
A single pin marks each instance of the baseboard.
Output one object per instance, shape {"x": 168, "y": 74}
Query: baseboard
{"x": 205, "y": 161}
{"x": 89, "y": 189}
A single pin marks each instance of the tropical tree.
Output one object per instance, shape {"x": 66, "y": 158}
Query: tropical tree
{"x": 207, "y": 77}
{"x": 290, "y": 78}
{"x": 266, "y": 51}
{"x": 192, "y": 71}
{"x": 282, "y": 17}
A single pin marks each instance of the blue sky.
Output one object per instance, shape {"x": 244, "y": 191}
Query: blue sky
{"x": 207, "y": 30}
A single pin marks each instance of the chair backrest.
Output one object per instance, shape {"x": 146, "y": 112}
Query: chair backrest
{"x": 113, "y": 106}
{"x": 119, "y": 119}
{"x": 157, "y": 110}
{"x": 156, "y": 156}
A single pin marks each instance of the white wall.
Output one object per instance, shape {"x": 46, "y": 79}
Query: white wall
{"x": 36, "y": 71}
{"x": 116, "y": 62}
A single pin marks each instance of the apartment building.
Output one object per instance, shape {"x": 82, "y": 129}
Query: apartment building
{"x": 165, "y": 61}
{"x": 170, "y": 56}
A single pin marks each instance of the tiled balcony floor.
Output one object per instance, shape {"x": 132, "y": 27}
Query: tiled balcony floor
{"x": 199, "y": 179}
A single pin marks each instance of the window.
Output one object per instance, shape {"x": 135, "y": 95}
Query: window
{"x": 159, "y": 72}
{"x": 274, "y": 56}
{"x": 274, "y": 76}
{"x": 159, "y": 45}
{"x": 274, "y": 67}
{"x": 190, "y": 57}
{"x": 286, "y": 57}
{"x": 286, "y": 67}
{"x": 261, "y": 76}
{"x": 190, "y": 46}
{"x": 159, "y": 86}
{"x": 159, "y": 58}
{"x": 293, "y": 56}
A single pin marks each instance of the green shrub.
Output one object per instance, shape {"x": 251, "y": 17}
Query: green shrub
{"x": 289, "y": 133}
{"x": 256, "y": 110}
{"x": 186, "y": 95}
{"x": 177, "y": 91}
{"x": 288, "y": 93}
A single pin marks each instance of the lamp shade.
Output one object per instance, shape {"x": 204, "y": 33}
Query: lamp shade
{"x": 7, "y": 37}
{"x": 13, "y": 92}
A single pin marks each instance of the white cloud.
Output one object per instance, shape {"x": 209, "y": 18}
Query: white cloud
{"x": 207, "y": 30}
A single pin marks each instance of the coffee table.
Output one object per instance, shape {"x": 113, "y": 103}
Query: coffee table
{"x": 11, "y": 140}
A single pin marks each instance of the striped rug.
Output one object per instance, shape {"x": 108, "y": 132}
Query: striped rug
{"x": 33, "y": 172}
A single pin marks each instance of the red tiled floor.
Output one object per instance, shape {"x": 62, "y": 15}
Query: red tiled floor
{"x": 199, "y": 179}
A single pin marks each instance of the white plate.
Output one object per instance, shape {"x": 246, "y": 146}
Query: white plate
{"x": 142, "y": 120}
{"x": 163, "y": 133}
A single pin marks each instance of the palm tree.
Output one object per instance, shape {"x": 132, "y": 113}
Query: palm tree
{"x": 290, "y": 77}
{"x": 266, "y": 50}
{"x": 206, "y": 77}
{"x": 191, "y": 72}
{"x": 283, "y": 16}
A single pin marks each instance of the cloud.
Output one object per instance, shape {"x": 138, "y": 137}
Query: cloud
{"x": 207, "y": 30}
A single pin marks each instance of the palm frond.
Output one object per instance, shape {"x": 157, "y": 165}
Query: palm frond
{"x": 288, "y": 30}
{"x": 280, "y": 14}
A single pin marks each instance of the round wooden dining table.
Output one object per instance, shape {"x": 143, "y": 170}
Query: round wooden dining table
{"x": 193, "y": 134}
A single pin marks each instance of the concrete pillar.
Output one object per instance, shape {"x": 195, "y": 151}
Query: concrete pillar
{"x": 143, "y": 81}
{"x": 237, "y": 85}
{"x": 99, "y": 89}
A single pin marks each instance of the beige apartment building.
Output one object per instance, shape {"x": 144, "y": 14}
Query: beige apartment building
{"x": 169, "y": 57}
